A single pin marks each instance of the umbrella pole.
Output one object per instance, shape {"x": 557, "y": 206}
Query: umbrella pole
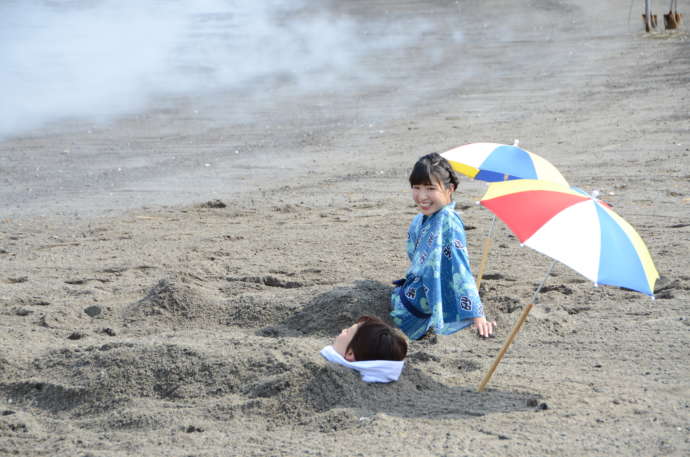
{"x": 506, "y": 345}
{"x": 513, "y": 333}
{"x": 543, "y": 281}
{"x": 485, "y": 253}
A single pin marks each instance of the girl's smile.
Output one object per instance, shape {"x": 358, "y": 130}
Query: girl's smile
{"x": 431, "y": 197}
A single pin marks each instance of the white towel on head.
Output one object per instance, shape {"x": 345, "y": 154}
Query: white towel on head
{"x": 370, "y": 370}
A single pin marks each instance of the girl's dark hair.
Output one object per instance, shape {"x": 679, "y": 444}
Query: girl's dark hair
{"x": 431, "y": 168}
{"x": 376, "y": 340}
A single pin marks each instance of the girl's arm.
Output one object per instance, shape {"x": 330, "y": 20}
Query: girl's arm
{"x": 464, "y": 286}
{"x": 484, "y": 328}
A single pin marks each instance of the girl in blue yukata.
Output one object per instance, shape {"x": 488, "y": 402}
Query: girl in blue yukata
{"x": 438, "y": 292}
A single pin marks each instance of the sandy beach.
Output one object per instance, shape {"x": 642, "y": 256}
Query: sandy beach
{"x": 169, "y": 275}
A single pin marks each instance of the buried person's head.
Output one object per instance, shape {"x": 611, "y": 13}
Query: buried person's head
{"x": 370, "y": 339}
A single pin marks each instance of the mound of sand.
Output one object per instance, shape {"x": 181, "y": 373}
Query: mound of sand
{"x": 328, "y": 313}
{"x": 177, "y": 301}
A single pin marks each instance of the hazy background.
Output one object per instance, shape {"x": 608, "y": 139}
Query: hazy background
{"x": 109, "y": 105}
{"x": 98, "y": 59}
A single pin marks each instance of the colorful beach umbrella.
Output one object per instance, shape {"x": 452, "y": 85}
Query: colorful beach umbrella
{"x": 494, "y": 162}
{"x": 575, "y": 229}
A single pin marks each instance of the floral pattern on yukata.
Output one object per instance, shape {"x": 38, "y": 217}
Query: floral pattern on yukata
{"x": 439, "y": 283}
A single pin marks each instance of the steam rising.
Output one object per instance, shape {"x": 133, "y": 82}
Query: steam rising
{"x": 99, "y": 59}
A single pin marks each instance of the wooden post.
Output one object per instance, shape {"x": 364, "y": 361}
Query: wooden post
{"x": 672, "y": 19}
{"x": 506, "y": 345}
{"x": 516, "y": 329}
{"x": 647, "y": 17}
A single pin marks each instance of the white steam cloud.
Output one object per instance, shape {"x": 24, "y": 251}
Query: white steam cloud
{"x": 99, "y": 59}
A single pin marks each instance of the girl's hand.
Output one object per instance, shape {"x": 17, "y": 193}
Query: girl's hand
{"x": 484, "y": 327}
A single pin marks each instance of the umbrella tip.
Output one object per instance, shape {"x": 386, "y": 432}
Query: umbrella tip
{"x": 516, "y": 142}
{"x": 595, "y": 193}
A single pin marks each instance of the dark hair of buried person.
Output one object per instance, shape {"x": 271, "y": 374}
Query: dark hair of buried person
{"x": 433, "y": 168}
{"x": 376, "y": 340}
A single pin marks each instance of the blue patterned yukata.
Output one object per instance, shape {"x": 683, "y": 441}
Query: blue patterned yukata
{"x": 438, "y": 290}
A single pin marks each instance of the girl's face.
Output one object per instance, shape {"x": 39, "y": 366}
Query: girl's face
{"x": 431, "y": 197}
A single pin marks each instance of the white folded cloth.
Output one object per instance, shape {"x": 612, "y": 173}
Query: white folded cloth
{"x": 370, "y": 370}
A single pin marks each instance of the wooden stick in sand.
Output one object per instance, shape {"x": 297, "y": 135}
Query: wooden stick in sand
{"x": 506, "y": 345}
{"x": 513, "y": 333}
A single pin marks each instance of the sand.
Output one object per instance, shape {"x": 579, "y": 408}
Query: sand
{"x": 177, "y": 309}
